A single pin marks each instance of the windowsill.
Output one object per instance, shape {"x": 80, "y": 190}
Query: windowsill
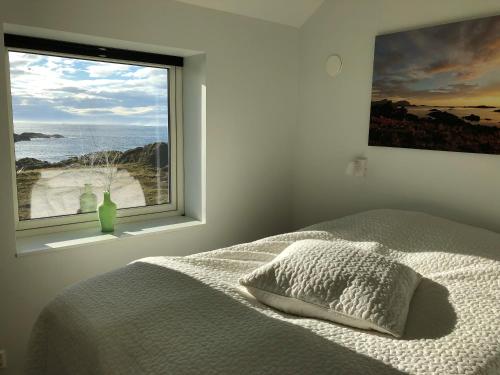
{"x": 41, "y": 243}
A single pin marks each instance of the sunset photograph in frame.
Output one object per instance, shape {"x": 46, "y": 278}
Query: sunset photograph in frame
{"x": 438, "y": 88}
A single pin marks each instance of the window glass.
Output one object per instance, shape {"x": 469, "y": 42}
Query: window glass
{"x": 82, "y": 127}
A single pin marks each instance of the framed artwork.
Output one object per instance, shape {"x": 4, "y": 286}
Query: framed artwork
{"x": 438, "y": 88}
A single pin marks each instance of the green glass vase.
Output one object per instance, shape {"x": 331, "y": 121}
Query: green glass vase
{"x": 107, "y": 213}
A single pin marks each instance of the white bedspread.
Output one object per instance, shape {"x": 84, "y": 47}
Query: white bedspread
{"x": 185, "y": 315}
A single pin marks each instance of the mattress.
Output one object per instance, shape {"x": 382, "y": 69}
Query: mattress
{"x": 187, "y": 315}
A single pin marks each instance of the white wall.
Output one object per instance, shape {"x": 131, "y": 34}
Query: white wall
{"x": 334, "y": 117}
{"x": 194, "y": 135}
{"x": 251, "y": 69}
{"x": 260, "y": 165}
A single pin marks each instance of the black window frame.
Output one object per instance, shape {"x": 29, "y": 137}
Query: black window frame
{"x": 43, "y": 46}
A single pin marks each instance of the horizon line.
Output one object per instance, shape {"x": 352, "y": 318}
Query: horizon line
{"x": 21, "y": 122}
{"x": 484, "y": 106}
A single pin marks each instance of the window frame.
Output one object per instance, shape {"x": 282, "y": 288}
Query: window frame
{"x": 175, "y": 137}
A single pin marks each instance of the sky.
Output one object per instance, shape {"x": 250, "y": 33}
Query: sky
{"x": 61, "y": 90}
{"x": 456, "y": 64}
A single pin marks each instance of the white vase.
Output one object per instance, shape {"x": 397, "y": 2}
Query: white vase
{"x": 88, "y": 200}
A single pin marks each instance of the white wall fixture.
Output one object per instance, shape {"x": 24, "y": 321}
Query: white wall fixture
{"x": 357, "y": 167}
{"x": 333, "y": 65}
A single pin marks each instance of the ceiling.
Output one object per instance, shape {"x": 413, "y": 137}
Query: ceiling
{"x": 287, "y": 12}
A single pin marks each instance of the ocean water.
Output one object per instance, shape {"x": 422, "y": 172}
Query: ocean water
{"x": 488, "y": 115}
{"x": 83, "y": 139}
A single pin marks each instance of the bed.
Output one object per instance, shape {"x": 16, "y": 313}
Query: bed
{"x": 187, "y": 315}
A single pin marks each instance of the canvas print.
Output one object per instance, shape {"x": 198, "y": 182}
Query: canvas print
{"x": 438, "y": 88}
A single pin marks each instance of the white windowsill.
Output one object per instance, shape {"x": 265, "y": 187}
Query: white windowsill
{"x": 56, "y": 241}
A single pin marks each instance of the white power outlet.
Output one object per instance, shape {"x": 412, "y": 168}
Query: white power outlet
{"x": 3, "y": 359}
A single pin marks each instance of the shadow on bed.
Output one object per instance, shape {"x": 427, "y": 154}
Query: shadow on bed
{"x": 149, "y": 319}
{"x": 431, "y": 314}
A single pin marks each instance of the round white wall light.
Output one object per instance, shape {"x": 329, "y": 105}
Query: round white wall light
{"x": 333, "y": 65}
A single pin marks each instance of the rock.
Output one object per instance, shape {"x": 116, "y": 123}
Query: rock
{"x": 412, "y": 117}
{"x": 31, "y": 163}
{"x": 471, "y": 117}
{"x": 444, "y": 117}
{"x": 28, "y": 136}
{"x": 132, "y": 155}
{"x": 496, "y": 110}
{"x": 21, "y": 137}
{"x": 403, "y": 103}
{"x": 154, "y": 154}
{"x": 388, "y": 109}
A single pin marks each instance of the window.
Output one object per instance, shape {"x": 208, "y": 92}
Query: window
{"x": 86, "y": 119}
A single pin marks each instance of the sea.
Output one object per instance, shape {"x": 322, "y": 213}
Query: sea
{"x": 488, "y": 115}
{"x": 82, "y": 139}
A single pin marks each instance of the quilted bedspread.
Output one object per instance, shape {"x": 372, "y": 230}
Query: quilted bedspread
{"x": 187, "y": 315}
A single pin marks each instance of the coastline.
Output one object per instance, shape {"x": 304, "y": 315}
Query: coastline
{"x": 392, "y": 124}
{"x": 148, "y": 165}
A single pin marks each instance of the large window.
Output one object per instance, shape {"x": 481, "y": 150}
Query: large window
{"x": 91, "y": 119}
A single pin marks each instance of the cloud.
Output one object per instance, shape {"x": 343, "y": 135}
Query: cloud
{"x": 458, "y": 59}
{"x": 100, "y": 70}
{"x": 86, "y": 91}
{"x": 123, "y": 111}
{"x": 141, "y": 73}
{"x": 441, "y": 67}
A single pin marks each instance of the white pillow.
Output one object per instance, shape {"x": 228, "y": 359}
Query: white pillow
{"x": 339, "y": 281}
